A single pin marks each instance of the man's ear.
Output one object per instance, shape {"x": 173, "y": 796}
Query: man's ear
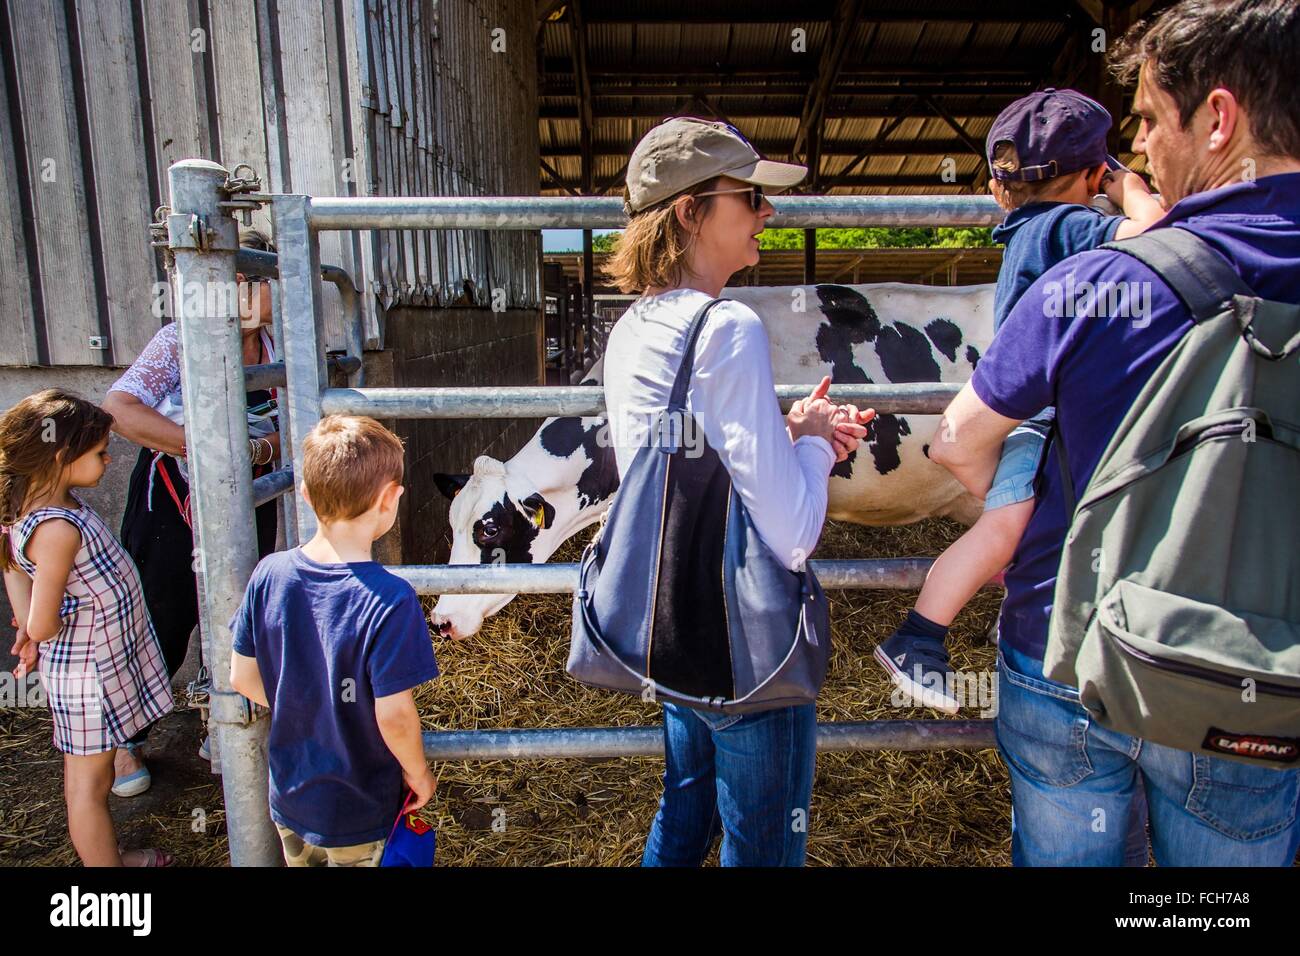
{"x": 450, "y": 485}
{"x": 539, "y": 511}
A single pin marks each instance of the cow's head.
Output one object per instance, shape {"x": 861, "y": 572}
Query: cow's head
{"x": 497, "y": 517}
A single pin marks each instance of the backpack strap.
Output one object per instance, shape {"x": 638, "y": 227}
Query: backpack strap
{"x": 1197, "y": 272}
{"x": 677, "y": 399}
{"x": 1202, "y": 279}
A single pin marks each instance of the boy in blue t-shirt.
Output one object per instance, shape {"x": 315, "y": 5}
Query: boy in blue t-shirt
{"x": 1047, "y": 157}
{"x": 334, "y": 645}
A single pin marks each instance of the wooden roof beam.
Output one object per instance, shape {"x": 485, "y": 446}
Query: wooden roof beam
{"x": 556, "y": 178}
{"x": 822, "y": 11}
{"x": 837, "y": 150}
{"x": 873, "y": 147}
{"x": 965, "y": 137}
{"x": 584, "y": 90}
{"x": 926, "y": 180}
{"x": 558, "y": 67}
{"x": 828, "y": 69}
{"x": 569, "y": 113}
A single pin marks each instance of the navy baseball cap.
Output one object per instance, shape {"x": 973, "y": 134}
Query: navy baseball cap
{"x": 1054, "y": 132}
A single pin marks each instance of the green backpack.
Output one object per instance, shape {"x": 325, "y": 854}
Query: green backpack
{"x": 1177, "y": 605}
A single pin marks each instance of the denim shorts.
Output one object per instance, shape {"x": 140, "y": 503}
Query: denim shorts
{"x": 1013, "y": 482}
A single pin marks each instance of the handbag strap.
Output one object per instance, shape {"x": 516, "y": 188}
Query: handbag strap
{"x": 677, "y": 398}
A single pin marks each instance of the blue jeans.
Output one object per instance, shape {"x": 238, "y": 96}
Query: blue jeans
{"x": 1077, "y": 789}
{"x": 748, "y": 777}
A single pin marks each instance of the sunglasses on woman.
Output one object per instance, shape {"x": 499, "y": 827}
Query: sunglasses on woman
{"x": 755, "y": 199}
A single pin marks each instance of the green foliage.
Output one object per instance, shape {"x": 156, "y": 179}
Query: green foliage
{"x": 880, "y": 237}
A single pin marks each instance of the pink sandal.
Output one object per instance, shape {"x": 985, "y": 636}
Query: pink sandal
{"x": 152, "y": 857}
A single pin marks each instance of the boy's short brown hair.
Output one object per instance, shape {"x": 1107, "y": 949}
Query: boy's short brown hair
{"x": 346, "y": 462}
{"x": 1005, "y": 157}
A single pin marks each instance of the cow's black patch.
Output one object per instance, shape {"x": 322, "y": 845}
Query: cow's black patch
{"x": 972, "y": 355}
{"x": 844, "y": 469}
{"x": 564, "y": 436}
{"x": 504, "y": 534}
{"x": 946, "y": 336}
{"x": 883, "y": 440}
{"x": 850, "y": 320}
{"x": 905, "y": 355}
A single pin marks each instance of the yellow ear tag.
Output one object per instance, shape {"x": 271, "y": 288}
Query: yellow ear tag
{"x": 539, "y": 517}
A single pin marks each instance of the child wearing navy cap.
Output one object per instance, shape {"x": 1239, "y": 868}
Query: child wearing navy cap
{"x": 335, "y": 645}
{"x": 1047, "y": 157}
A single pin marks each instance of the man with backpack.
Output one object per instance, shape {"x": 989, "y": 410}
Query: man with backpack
{"x": 1149, "y": 643}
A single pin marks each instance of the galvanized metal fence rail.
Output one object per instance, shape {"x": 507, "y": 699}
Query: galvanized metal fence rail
{"x": 201, "y": 235}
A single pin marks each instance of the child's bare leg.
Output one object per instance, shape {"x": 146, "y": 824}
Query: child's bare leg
{"x": 967, "y": 564}
{"x": 86, "y": 784}
{"x": 126, "y": 762}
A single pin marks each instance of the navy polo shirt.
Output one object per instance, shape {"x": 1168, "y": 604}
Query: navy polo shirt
{"x": 329, "y": 639}
{"x": 1093, "y": 365}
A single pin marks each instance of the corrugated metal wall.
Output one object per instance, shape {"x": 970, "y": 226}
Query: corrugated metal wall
{"x": 453, "y": 114}
{"x": 101, "y": 97}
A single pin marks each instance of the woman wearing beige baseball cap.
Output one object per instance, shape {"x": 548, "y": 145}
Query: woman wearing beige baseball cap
{"x": 695, "y": 202}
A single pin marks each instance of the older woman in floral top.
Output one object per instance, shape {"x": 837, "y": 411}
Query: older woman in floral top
{"x": 147, "y": 410}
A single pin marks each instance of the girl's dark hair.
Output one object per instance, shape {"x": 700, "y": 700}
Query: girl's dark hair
{"x": 39, "y": 437}
{"x": 1249, "y": 47}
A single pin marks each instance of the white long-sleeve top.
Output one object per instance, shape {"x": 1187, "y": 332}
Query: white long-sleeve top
{"x": 733, "y": 401}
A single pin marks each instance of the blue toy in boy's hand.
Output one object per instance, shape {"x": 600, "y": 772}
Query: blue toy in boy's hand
{"x": 412, "y": 841}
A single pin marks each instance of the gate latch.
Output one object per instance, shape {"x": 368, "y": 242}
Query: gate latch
{"x": 244, "y": 192}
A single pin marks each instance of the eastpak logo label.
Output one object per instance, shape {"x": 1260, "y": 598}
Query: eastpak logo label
{"x": 1259, "y": 746}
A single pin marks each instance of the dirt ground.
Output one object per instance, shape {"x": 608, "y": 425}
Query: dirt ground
{"x": 886, "y": 808}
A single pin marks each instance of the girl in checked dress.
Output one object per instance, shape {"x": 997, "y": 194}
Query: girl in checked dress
{"x": 77, "y": 598}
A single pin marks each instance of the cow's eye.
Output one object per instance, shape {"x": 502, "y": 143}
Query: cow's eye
{"x": 488, "y": 531}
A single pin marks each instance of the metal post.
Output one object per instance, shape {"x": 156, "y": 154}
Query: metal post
{"x": 610, "y": 742}
{"x": 599, "y": 212}
{"x": 303, "y": 349}
{"x": 285, "y": 506}
{"x": 204, "y": 240}
{"x": 529, "y": 401}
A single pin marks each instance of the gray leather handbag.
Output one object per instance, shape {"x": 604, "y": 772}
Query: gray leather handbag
{"x": 678, "y": 597}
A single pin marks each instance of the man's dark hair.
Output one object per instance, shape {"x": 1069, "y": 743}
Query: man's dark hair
{"x": 1249, "y": 47}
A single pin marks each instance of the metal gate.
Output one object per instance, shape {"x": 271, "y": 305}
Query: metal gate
{"x": 201, "y": 236}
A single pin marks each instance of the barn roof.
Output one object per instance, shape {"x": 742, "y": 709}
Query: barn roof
{"x": 874, "y": 95}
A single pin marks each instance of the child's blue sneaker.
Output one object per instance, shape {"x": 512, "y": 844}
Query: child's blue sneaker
{"x": 133, "y": 784}
{"x": 918, "y": 666}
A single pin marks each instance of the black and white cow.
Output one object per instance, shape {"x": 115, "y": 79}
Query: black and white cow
{"x": 521, "y": 510}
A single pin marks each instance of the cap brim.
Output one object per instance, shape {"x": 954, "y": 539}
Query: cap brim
{"x": 769, "y": 174}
